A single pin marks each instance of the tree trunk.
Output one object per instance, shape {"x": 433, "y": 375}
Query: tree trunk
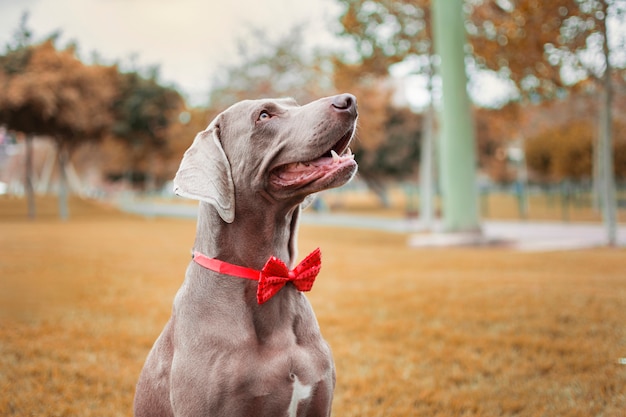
{"x": 427, "y": 158}
{"x": 62, "y": 157}
{"x": 43, "y": 186}
{"x": 605, "y": 145}
{"x": 607, "y": 182}
{"x": 150, "y": 179}
{"x": 596, "y": 170}
{"x": 28, "y": 177}
{"x": 378, "y": 187}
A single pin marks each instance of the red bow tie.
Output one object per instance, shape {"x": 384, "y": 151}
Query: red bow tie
{"x": 274, "y": 275}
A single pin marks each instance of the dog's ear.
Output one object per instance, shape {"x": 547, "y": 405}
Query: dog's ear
{"x": 204, "y": 174}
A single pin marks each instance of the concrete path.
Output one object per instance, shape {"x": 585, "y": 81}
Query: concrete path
{"x": 525, "y": 236}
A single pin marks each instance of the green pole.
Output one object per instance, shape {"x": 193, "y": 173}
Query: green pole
{"x": 457, "y": 143}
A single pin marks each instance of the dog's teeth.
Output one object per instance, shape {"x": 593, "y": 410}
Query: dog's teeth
{"x": 334, "y": 155}
{"x": 349, "y": 152}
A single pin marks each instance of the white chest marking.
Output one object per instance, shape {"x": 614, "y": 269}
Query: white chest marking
{"x": 300, "y": 392}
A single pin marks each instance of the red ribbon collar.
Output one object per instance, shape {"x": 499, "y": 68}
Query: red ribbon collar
{"x": 274, "y": 275}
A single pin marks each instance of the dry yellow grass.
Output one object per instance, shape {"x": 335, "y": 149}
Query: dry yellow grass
{"x": 450, "y": 332}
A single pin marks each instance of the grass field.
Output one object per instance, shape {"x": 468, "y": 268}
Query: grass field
{"x": 441, "y": 332}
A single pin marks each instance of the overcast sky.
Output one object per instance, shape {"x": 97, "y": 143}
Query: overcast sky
{"x": 188, "y": 39}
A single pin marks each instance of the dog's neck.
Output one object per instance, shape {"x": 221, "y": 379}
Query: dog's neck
{"x": 256, "y": 234}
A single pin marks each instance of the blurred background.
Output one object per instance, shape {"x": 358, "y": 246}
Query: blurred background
{"x": 100, "y": 99}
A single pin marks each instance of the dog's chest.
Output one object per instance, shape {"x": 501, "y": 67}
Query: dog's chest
{"x": 265, "y": 380}
{"x": 277, "y": 361}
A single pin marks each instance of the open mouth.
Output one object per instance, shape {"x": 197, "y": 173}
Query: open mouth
{"x": 329, "y": 167}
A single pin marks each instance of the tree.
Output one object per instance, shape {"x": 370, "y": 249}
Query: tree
{"x": 374, "y": 94}
{"x": 560, "y": 136}
{"x": 543, "y": 47}
{"x": 395, "y": 157}
{"x": 144, "y": 111}
{"x": 561, "y": 153}
{"x": 387, "y": 32}
{"x": 383, "y": 33}
{"x": 547, "y": 47}
{"x": 180, "y": 135}
{"x": 114, "y": 152}
{"x": 494, "y": 134}
{"x": 51, "y": 92}
{"x": 14, "y": 62}
{"x": 511, "y": 37}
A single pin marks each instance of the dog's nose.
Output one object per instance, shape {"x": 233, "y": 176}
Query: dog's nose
{"x": 345, "y": 102}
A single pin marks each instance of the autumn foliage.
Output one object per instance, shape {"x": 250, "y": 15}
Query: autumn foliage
{"x": 513, "y": 40}
{"x": 55, "y": 94}
{"x": 50, "y": 92}
{"x": 548, "y": 52}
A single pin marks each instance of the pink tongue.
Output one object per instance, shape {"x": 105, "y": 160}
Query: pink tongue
{"x": 292, "y": 172}
{"x": 300, "y": 170}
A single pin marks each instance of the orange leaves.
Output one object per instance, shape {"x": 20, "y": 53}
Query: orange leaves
{"x": 566, "y": 152}
{"x": 56, "y": 94}
{"x": 561, "y": 153}
{"x": 531, "y": 40}
{"x": 559, "y": 138}
{"x": 386, "y": 32}
{"x": 373, "y": 95}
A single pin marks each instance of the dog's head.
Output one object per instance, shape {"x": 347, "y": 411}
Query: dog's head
{"x": 272, "y": 149}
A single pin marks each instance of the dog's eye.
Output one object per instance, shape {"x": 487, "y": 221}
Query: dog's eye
{"x": 264, "y": 115}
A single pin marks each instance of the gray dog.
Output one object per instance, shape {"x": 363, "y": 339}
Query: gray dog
{"x": 242, "y": 339}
